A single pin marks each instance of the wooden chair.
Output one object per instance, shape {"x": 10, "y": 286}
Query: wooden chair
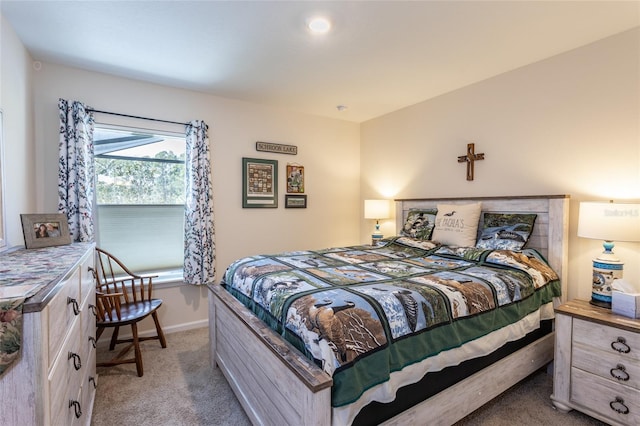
{"x": 123, "y": 298}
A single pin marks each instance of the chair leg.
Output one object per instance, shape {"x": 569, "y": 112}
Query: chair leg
{"x": 114, "y": 338}
{"x": 163, "y": 341}
{"x": 136, "y": 347}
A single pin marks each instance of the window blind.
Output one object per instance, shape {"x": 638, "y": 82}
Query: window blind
{"x": 157, "y": 229}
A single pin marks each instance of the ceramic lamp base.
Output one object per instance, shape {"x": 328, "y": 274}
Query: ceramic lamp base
{"x": 604, "y": 272}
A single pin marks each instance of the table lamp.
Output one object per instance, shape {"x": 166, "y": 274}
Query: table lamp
{"x": 376, "y": 209}
{"x": 608, "y": 222}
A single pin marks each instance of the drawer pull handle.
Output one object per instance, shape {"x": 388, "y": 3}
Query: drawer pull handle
{"x": 76, "y": 408}
{"x": 77, "y": 363}
{"x": 92, "y": 340}
{"x": 618, "y": 406}
{"x": 92, "y": 380}
{"x": 74, "y": 302}
{"x": 93, "y": 310}
{"x": 621, "y": 346}
{"x": 620, "y": 373}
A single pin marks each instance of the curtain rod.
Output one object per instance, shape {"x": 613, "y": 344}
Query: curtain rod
{"x": 136, "y": 116}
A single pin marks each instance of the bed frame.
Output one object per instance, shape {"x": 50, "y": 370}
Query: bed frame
{"x": 277, "y": 385}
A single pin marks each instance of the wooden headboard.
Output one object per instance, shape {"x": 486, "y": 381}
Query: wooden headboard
{"x": 550, "y": 235}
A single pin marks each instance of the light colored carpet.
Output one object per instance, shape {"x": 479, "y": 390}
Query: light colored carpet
{"x": 179, "y": 388}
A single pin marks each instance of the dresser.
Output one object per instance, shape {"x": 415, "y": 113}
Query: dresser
{"x": 53, "y": 381}
{"x": 597, "y": 363}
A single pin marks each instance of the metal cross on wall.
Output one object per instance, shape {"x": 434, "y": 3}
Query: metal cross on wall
{"x": 470, "y": 158}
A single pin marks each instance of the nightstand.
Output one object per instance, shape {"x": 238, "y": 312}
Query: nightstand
{"x": 597, "y": 363}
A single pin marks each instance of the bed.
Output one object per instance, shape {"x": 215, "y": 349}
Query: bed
{"x": 304, "y": 380}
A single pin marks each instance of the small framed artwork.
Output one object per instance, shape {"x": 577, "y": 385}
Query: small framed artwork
{"x": 295, "y": 179}
{"x": 259, "y": 183}
{"x": 295, "y": 201}
{"x": 45, "y": 230}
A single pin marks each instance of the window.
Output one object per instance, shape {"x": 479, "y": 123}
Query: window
{"x": 140, "y": 195}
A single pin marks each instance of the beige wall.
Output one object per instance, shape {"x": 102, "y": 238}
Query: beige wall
{"x": 566, "y": 125}
{"x": 18, "y": 135}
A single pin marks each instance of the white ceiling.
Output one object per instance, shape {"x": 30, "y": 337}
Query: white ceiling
{"x": 380, "y": 56}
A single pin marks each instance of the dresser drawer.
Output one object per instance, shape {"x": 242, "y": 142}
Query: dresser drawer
{"x": 611, "y": 366}
{"x": 77, "y": 413}
{"x": 65, "y": 378}
{"x": 63, "y": 309}
{"x": 88, "y": 327}
{"x": 87, "y": 283}
{"x": 600, "y": 395}
{"x": 89, "y": 385}
{"x": 608, "y": 339}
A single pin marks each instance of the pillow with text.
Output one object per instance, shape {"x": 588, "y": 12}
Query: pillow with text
{"x": 457, "y": 224}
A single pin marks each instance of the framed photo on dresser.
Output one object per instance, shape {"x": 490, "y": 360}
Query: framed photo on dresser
{"x": 45, "y": 230}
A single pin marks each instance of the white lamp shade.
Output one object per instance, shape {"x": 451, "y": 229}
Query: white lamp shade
{"x": 609, "y": 221}
{"x": 376, "y": 209}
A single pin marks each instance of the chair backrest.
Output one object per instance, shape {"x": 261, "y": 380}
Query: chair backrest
{"x": 114, "y": 278}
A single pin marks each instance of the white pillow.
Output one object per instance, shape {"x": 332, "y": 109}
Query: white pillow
{"x": 457, "y": 224}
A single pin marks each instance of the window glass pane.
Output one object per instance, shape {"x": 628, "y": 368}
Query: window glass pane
{"x": 140, "y": 193}
{"x": 139, "y": 168}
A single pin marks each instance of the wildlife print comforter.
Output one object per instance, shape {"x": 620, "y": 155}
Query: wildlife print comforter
{"x": 363, "y": 312}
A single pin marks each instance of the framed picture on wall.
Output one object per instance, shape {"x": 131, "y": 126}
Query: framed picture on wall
{"x": 295, "y": 179}
{"x": 259, "y": 183}
{"x": 45, "y": 230}
{"x": 295, "y": 201}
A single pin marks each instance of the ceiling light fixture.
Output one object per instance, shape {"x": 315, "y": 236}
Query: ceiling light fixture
{"x": 341, "y": 107}
{"x": 319, "y": 25}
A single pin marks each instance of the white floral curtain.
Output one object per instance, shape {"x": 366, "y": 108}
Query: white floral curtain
{"x": 76, "y": 184}
{"x": 199, "y": 244}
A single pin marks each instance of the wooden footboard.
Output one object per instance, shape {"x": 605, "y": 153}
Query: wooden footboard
{"x": 466, "y": 396}
{"x": 274, "y": 383}
{"x": 277, "y": 386}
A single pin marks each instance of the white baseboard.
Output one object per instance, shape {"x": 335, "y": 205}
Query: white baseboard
{"x": 183, "y": 327}
{"x": 104, "y": 339}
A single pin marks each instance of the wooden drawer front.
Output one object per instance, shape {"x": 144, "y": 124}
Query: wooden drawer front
{"x": 596, "y": 394}
{"x": 88, "y": 327}
{"x": 89, "y": 384}
{"x": 61, "y": 312}
{"x": 65, "y": 379}
{"x": 76, "y": 413}
{"x": 610, "y": 366}
{"x": 607, "y": 339}
{"x": 87, "y": 284}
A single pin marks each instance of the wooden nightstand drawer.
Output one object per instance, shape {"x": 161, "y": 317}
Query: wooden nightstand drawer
{"x": 616, "y": 402}
{"x": 608, "y": 339}
{"x": 614, "y": 367}
{"x": 597, "y": 363}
